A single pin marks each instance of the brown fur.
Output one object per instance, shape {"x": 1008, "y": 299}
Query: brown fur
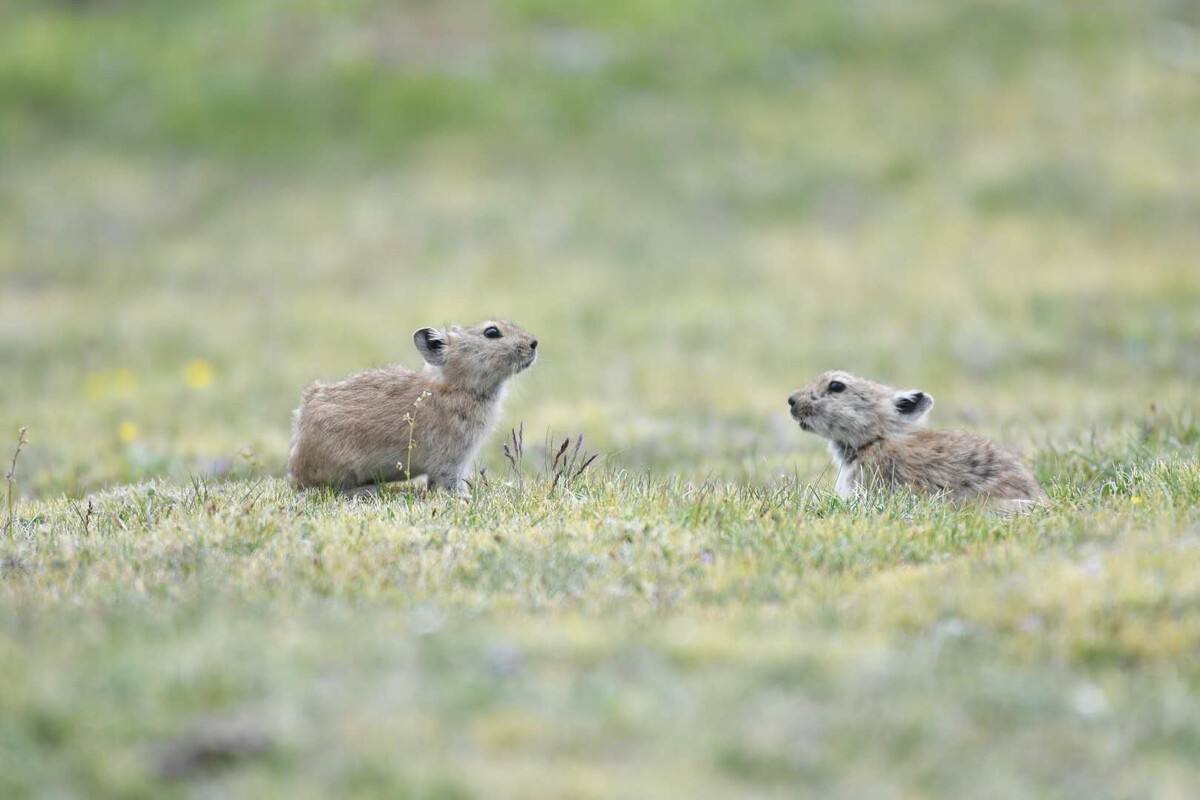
{"x": 877, "y": 443}
{"x": 357, "y": 432}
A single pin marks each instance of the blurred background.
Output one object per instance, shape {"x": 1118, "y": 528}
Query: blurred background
{"x": 696, "y": 205}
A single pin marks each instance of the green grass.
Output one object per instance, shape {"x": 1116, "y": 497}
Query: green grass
{"x": 697, "y": 206}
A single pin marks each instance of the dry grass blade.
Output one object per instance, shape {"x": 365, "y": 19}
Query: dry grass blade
{"x": 567, "y": 467}
{"x": 10, "y": 478}
{"x": 85, "y": 517}
{"x": 587, "y": 463}
{"x": 575, "y": 452}
{"x": 566, "y": 443}
{"x": 513, "y": 455}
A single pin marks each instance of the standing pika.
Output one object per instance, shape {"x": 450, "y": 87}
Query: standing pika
{"x": 392, "y": 423}
{"x": 877, "y": 442}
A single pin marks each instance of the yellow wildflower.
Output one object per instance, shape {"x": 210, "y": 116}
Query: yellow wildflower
{"x": 198, "y": 373}
{"x": 127, "y": 432}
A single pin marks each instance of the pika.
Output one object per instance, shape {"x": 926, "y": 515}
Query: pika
{"x": 877, "y": 442}
{"x": 393, "y": 423}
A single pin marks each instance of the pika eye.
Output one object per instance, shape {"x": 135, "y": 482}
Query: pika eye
{"x": 836, "y": 386}
{"x": 492, "y": 332}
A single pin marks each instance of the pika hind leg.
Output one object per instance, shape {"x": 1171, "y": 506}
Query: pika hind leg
{"x": 367, "y": 492}
{"x": 1011, "y": 508}
{"x": 450, "y": 482}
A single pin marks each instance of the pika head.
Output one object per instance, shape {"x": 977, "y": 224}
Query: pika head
{"x": 480, "y": 357}
{"x": 853, "y": 411}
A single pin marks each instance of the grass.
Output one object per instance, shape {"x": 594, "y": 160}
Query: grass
{"x": 696, "y": 206}
{"x": 630, "y": 635}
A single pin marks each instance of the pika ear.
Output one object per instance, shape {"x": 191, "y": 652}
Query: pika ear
{"x": 913, "y": 404}
{"x": 431, "y": 344}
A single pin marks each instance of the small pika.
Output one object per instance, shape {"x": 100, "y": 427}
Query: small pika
{"x": 877, "y": 442}
{"x": 393, "y": 423}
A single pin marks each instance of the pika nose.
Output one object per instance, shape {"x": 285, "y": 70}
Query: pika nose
{"x": 793, "y": 400}
{"x": 533, "y": 345}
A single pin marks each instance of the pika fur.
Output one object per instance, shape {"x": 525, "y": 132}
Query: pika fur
{"x": 393, "y": 423}
{"x": 877, "y": 442}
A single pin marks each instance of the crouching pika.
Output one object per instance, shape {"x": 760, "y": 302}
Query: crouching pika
{"x": 393, "y": 423}
{"x": 877, "y": 442}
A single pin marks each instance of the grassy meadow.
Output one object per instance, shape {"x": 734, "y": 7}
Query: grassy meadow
{"x": 696, "y": 205}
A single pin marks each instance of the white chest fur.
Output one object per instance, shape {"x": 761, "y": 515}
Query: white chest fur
{"x": 847, "y": 478}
